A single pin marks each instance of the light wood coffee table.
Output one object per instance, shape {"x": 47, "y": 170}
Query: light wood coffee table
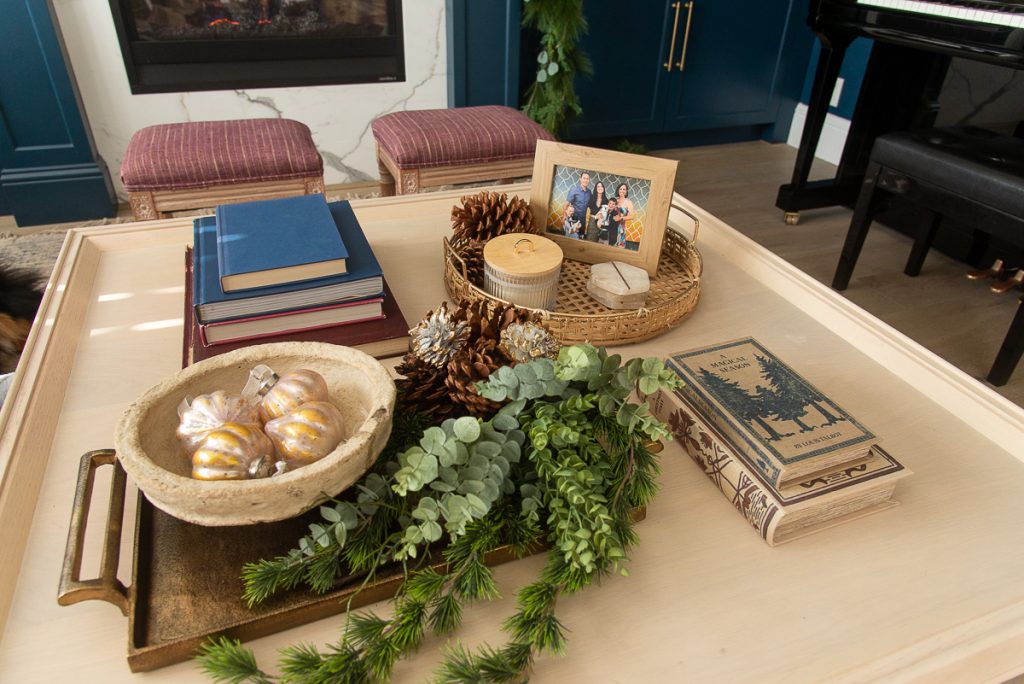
{"x": 933, "y": 589}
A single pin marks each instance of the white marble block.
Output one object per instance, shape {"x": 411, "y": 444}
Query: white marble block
{"x": 618, "y": 285}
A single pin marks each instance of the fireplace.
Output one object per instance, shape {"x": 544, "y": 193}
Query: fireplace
{"x": 183, "y": 45}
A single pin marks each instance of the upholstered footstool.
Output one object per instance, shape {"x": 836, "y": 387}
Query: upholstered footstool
{"x": 172, "y": 167}
{"x": 428, "y": 148}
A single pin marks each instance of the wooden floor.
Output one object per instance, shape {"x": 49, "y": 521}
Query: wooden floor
{"x": 958, "y": 319}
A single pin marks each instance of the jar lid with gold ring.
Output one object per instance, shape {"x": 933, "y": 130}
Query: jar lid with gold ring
{"x": 523, "y": 254}
{"x": 523, "y": 269}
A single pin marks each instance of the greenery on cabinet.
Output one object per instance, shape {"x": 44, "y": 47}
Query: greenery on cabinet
{"x": 562, "y": 462}
{"x": 551, "y": 99}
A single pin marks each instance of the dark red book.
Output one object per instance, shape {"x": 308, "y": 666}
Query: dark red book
{"x": 380, "y": 338}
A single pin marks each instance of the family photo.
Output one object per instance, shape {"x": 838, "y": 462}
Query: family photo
{"x": 598, "y": 207}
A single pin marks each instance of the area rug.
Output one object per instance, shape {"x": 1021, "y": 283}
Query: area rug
{"x": 37, "y": 250}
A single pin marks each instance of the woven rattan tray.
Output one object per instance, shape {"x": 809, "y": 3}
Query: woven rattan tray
{"x": 579, "y": 318}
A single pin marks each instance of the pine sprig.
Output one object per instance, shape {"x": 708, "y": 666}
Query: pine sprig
{"x": 564, "y": 461}
{"x": 226, "y": 660}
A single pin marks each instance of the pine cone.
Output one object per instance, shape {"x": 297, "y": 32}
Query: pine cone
{"x": 472, "y": 254}
{"x": 490, "y": 214}
{"x": 523, "y": 342}
{"x": 473, "y": 364}
{"x": 423, "y": 388}
{"x": 439, "y": 336}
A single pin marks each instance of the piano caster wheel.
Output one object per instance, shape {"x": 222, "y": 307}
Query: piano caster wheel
{"x": 791, "y": 218}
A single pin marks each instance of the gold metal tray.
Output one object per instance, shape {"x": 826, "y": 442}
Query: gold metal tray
{"x": 185, "y": 578}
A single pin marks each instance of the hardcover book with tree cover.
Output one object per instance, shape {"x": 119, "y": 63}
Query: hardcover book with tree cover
{"x": 782, "y": 426}
{"x": 780, "y": 514}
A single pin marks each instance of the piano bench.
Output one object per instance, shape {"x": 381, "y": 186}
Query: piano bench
{"x": 968, "y": 174}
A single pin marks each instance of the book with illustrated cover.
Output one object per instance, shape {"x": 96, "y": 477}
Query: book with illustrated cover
{"x": 782, "y": 426}
{"x": 780, "y": 515}
{"x": 363, "y": 279}
{"x": 277, "y": 241}
{"x": 380, "y": 338}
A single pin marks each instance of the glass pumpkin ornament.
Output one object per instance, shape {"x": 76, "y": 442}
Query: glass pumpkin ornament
{"x": 233, "y": 451}
{"x": 306, "y": 434}
{"x": 197, "y": 417}
{"x": 290, "y": 391}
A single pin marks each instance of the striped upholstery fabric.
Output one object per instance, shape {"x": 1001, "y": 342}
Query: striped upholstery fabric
{"x": 205, "y": 153}
{"x": 443, "y": 137}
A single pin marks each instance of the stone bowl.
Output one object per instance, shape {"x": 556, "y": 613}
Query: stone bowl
{"x": 359, "y": 385}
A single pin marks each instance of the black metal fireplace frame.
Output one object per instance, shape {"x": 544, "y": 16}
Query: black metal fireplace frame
{"x": 188, "y": 65}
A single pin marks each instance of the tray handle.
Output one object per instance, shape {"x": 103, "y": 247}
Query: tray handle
{"x": 106, "y": 587}
{"x": 696, "y": 221}
{"x": 453, "y": 255}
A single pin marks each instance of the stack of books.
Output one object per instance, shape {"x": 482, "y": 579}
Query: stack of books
{"x": 287, "y": 270}
{"x": 788, "y": 457}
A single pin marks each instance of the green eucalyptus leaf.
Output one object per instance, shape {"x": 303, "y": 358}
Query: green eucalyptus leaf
{"x": 543, "y": 57}
{"x": 433, "y": 440}
{"x": 651, "y": 365}
{"x": 504, "y": 421}
{"x": 486, "y": 450}
{"x": 648, "y": 385}
{"x": 471, "y": 487}
{"x": 431, "y": 531}
{"x": 467, "y": 429}
{"x": 461, "y": 453}
{"x": 329, "y": 514}
{"x": 476, "y": 505}
{"x": 525, "y": 373}
{"x": 511, "y": 451}
{"x": 552, "y": 68}
{"x": 542, "y": 76}
{"x": 340, "y": 534}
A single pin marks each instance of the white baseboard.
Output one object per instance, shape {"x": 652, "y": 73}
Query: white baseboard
{"x": 833, "y": 134}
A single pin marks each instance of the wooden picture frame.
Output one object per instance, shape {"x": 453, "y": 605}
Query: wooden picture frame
{"x": 596, "y": 237}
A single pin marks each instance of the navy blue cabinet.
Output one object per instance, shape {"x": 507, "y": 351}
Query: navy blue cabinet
{"x": 743, "y": 69}
{"x": 737, "y": 64}
{"x": 49, "y": 169}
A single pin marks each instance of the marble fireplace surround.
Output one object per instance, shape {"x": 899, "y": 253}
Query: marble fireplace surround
{"x": 339, "y": 116}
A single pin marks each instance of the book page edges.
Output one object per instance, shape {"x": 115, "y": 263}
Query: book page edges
{"x": 280, "y": 276}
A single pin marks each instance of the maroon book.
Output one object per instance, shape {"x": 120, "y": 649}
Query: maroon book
{"x": 380, "y": 338}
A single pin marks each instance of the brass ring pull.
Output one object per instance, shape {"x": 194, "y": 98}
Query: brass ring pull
{"x": 672, "y": 44}
{"x": 686, "y": 34}
{"x": 528, "y": 241}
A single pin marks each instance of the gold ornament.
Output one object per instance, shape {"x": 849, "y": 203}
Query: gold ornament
{"x": 233, "y": 451}
{"x": 306, "y": 434}
{"x": 208, "y": 412}
{"x": 291, "y": 391}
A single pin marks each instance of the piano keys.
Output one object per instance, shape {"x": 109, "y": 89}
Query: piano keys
{"x": 914, "y": 41}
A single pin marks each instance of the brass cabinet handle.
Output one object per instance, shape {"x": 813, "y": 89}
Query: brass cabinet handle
{"x": 672, "y": 44}
{"x": 686, "y": 34}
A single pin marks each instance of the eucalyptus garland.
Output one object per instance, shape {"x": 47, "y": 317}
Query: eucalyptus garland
{"x": 551, "y": 99}
{"x": 562, "y": 463}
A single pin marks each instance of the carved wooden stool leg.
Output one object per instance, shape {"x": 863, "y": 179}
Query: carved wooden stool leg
{"x": 143, "y": 206}
{"x": 387, "y": 181}
{"x": 409, "y": 181}
{"x": 315, "y": 186}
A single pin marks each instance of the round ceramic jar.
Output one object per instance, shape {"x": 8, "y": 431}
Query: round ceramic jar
{"x": 523, "y": 269}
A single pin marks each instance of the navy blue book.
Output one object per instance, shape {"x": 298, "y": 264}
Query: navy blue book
{"x": 363, "y": 279}
{"x": 278, "y": 241}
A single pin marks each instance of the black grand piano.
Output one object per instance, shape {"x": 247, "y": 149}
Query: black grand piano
{"x": 914, "y": 43}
